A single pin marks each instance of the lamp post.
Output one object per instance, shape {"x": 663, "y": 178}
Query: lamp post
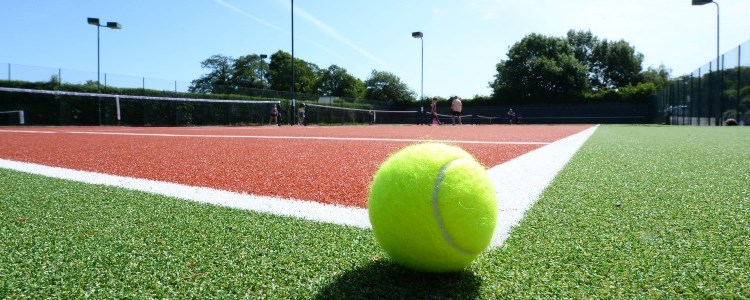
{"x": 294, "y": 105}
{"x": 419, "y": 35}
{"x": 111, "y": 25}
{"x": 718, "y": 55}
{"x": 262, "y": 65}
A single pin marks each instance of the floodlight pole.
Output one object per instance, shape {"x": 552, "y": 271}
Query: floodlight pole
{"x": 262, "y": 65}
{"x": 111, "y": 25}
{"x": 294, "y": 107}
{"x": 718, "y": 54}
{"x": 718, "y": 68}
{"x": 419, "y": 35}
{"x": 98, "y": 61}
{"x": 717, "y": 31}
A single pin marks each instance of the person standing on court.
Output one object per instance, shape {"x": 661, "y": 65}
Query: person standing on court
{"x": 301, "y": 115}
{"x": 433, "y": 110}
{"x": 420, "y": 114}
{"x": 274, "y": 115}
{"x": 456, "y": 108}
{"x": 511, "y": 116}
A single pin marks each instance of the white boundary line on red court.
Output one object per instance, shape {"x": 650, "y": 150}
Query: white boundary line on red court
{"x": 276, "y": 137}
{"x": 280, "y": 206}
{"x": 518, "y": 183}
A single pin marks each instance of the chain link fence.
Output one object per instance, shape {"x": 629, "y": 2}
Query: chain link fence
{"x": 717, "y": 93}
{"x": 19, "y": 72}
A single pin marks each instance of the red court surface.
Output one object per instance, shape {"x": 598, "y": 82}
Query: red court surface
{"x": 331, "y": 165}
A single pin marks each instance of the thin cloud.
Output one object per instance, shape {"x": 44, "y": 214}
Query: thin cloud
{"x": 264, "y": 22}
{"x": 246, "y": 14}
{"x": 334, "y": 34}
{"x": 313, "y": 20}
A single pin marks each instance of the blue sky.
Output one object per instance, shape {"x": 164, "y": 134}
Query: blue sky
{"x": 463, "y": 39}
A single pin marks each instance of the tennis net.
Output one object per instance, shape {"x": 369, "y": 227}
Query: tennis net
{"x": 12, "y": 117}
{"x": 48, "y": 107}
{"x": 329, "y": 115}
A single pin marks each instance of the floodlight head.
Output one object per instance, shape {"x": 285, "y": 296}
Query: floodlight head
{"x": 93, "y": 21}
{"x": 701, "y": 2}
{"x": 417, "y": 34}
{"x": 263, "y": 56}
{"x": 114, "y": 25}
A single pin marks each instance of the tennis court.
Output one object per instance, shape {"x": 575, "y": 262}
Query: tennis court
{"x": 332, "y": 165}
{"x": 622, "y": 215}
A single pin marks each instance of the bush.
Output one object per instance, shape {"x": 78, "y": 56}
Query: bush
{"x": 638, "y": 93}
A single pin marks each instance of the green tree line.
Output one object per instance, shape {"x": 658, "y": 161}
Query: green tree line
{"x": 575, "y": 67}
{"x": 228, "y": 75}
{"x": 579, "y": 66}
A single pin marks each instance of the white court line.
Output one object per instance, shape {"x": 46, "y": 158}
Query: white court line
{"x": 288, "y": 207}
{"x": 26, "y": 131}
{"x": 518, "y": 183}
{"x": 281, "y": 137}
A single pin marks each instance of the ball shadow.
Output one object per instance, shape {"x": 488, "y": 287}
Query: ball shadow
{"x": 385, "y": 280}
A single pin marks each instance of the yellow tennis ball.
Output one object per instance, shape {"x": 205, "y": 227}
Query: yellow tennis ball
{"x": 432, "y": 207}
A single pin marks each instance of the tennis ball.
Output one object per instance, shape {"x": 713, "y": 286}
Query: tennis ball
{"x": 432, "y": 207}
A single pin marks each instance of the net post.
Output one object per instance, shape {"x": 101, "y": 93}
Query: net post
{"x": 21, "y": 117}
{"x": 117, "y": 106}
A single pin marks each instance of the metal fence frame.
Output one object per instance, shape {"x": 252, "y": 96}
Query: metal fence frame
{"x": 717, "y": 93}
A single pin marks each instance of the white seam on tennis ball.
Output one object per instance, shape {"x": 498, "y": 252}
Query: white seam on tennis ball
{"x": 436, "y": 208}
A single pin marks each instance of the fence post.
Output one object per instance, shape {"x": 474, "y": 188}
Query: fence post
{"x": 720, "y": 91}
{"x": 712, "y": 90}
{"x": 739, "y": 77}
{"x": 699, "y": 89}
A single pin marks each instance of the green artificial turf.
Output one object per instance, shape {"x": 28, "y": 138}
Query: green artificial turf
{"x": 71, "y": 240}
{"x": 640, "y": 212}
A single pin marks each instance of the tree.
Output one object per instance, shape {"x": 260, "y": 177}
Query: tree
{"x": 280, "y": 73}
{"x": 539, "y": 68}
{"x": 308, "y": 79}
{"x": 248, "y": 71}
{"x": 583, "y": 43}
{"x": 610, "y": 65}
{"x": 336, "y": 81}
{"x": 218, "y": 80}
{"x": 659, "y": 76}
{"x": 616, "y": 64}
{"x": 385, "y": 86}
{"x": 54, "y": 82}
{"x": 351, "y": 87}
